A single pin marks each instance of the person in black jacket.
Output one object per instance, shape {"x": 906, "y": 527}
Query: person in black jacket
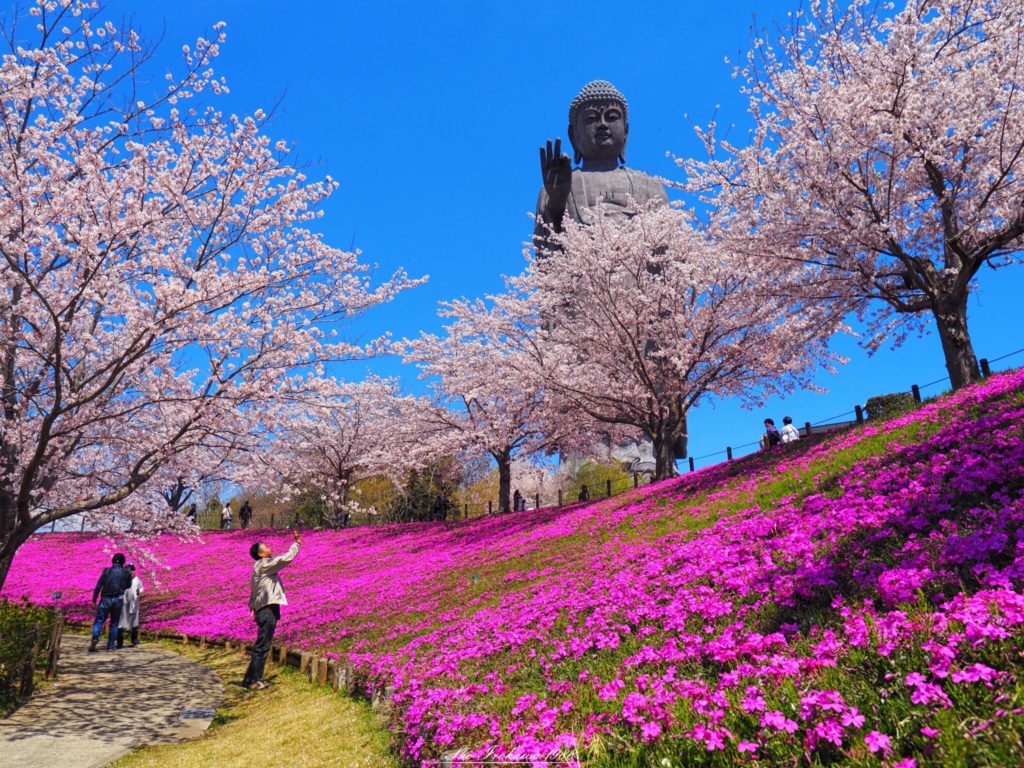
{"x": 110, "y": 594}
{"x": 245, "y": 513}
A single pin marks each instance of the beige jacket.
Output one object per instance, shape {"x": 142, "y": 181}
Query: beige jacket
{"x": 265, "y": 587}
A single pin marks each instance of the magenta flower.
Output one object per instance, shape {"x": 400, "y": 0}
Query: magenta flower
{"x": 878, "y": 742}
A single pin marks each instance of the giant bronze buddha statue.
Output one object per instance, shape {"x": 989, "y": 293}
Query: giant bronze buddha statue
{"x": 598, "y": 130}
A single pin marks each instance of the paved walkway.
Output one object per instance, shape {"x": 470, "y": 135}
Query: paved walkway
{"x": 105, "y": 704}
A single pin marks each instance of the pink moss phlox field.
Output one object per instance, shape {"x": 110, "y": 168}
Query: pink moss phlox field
{"x": 720, "y": 613}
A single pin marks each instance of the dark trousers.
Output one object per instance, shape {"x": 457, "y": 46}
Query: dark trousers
{"x": 266, "y": 622}
{"x": 109, "y": 606}
{"x": 134, "y": 635}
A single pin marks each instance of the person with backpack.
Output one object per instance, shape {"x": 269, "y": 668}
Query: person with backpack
{"x": 227, "y": 516}
{"x": 108, "y": 597}
{"x": 771, "y": 434}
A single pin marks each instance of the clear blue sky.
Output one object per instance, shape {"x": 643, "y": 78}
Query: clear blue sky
{"x": 430, "y": 115}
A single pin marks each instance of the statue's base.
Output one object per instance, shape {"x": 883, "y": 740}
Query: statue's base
{"x": 634, "y": 456}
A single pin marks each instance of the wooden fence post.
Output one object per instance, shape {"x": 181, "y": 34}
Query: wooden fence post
{"x": 859, "y": 414}
{"x": 347, "y": 679}
{"x": 559, "y": 497}
{"x": 55, "y": 637}
{"x": 916, "y": 392}
{"x": 381, "y": 698}
{"x": 636, "y": 480}
{"x": 321, "y": 677}
{"x": 608, "y": 487}
{"x": 807, "y": 429}
{"x": 986, "y": 371}
{"x": 490, "y": 507}
{"x": 691, "y": 463}
{"x": 536, "y": 501}
{"x": 728, "y": 453}
{"x": 28, "y": 667}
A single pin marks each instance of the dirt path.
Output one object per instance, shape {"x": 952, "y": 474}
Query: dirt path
{"x": 105, "y": 704}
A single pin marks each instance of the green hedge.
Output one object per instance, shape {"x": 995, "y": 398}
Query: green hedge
{"x": 887, "y": 406}
{"x": 23, "y": 626}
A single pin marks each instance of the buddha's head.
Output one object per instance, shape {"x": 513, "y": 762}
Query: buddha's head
{"x": 599, "y": 124}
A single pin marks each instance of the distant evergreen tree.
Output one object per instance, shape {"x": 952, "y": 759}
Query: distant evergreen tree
{"x": 428, "y": 493}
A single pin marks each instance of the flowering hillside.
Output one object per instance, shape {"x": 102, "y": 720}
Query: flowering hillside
{"x": 854, "y": 601}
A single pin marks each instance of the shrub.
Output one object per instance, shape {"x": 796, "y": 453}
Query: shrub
{"x": 24, "y": 628}
{"x": 887, "y": 406}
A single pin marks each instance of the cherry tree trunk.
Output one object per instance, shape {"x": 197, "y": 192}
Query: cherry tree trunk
{"x": 664, "y": 456}
{"x": 951, "y": 321}
{"x": 504, "y": 481}
{"x": 12, "y": 542}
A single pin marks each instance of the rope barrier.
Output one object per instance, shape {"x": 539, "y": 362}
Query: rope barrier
{"x": 831, "y": 419}
{"x": 707, "y": 455}
{"x": 937, "y": 381}
{"x": 1003, "y": 357}
{"x": 834, "y": 419}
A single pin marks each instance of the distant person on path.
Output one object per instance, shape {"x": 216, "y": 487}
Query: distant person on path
{"x": 771, "y": 436}
{"x": 245, "y": 514}
{"x": 192, "y": 513}
{"x": 517, "y": 501}
{"x": 130, "y": 610}
{"x": 109, "y": 593}
{"x": 790, "y": 434}
{"x": 266, "y": 596}
{"x": 226, "y": 517}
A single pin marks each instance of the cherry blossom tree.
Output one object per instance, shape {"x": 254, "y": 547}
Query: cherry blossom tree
{"x": 206, "y": 463}
{"x": 485, "y": 395}
{"x": 324, "y": 440}
{"x": 887, "y": 155}
{"x": 634, "y": 322}
{"x": 158, "y": 273}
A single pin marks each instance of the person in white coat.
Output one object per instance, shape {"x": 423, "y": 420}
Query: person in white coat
{"x": 227, "y": 517}
{"x": 790, "y": 434}
{"x": 130, "y": 611}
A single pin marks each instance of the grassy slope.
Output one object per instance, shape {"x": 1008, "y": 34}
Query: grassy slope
{"x": 294, "y": 723}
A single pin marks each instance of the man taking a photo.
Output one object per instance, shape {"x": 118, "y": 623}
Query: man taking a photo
{"x": 266, "y": 596}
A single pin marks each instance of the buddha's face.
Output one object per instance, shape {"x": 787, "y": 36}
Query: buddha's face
{"x": 599, "y": 131}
